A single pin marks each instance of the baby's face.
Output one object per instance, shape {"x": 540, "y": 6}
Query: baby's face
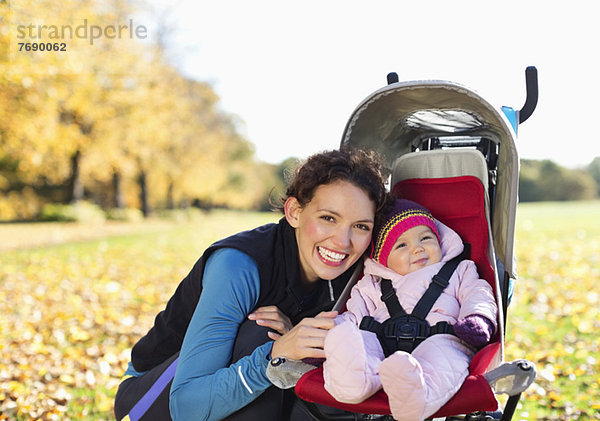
{"x": 416, "y": 248}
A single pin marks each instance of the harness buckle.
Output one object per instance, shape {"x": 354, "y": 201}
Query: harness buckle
{"x": 407, "y": 328}
{"x": 367, "y": 323}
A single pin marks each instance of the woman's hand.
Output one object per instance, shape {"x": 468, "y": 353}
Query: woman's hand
{"x": 272, "y": 317}
{"x": 306, "y": 339}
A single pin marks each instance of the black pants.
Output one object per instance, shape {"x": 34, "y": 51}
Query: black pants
{"x": 274, "y": 404}
{"x": 133, "y": 389}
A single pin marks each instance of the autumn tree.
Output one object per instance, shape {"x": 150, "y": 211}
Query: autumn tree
{"x": 112, "y": 121}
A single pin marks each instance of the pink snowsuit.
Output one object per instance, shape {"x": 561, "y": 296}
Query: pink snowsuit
{"x": 420, "y": 383}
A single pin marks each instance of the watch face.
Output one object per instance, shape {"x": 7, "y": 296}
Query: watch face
{"x": 277, "y": 361}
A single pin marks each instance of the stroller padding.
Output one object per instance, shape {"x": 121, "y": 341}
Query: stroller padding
{"x": 448, "y": 163}
{"x": 311, "y": 388}
{"x": 440, "y": 164}
{"x": 459, "y": 203}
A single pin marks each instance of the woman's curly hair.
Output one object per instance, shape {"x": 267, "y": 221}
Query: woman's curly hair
{"x": 364, "y": 169}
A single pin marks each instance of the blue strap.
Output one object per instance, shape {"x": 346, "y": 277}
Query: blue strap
{"x": 150, "y": 396}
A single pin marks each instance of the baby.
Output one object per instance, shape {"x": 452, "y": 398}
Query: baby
{"x": 409, "y": 249}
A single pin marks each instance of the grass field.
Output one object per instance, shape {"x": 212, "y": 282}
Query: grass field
{"x": 74, "y": 304}
{"x": 554, "y": 318}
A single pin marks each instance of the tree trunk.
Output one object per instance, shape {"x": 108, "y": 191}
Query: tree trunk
{"x": 142, "y": 180}
{"x": 118, "y": 200}
{"x": 170, "y": 200}
{"x": 75, "y": 184}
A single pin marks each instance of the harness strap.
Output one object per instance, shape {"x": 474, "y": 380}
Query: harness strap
{"x": 404, "y": 331}
{"x": 438, "y": 284}
{"x": 369, "y": 324}
{"x": 389, "y": 297}
{"x": 442, "y": 327}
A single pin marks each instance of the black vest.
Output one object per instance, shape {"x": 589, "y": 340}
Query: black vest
{"x": 274, "y": 249}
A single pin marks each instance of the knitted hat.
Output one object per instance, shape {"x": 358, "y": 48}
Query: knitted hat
{"x": 406, "y": 214}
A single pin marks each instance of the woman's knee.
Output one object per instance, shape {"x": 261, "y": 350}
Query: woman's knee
{"x": 132, "y": 393}
{"x": 123, "y": 399}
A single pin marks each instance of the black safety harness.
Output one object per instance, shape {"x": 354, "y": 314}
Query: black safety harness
{"x": 403, "y": 331}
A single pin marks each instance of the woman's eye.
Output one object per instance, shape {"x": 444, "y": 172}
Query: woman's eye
{"x": 363, "y": 227}
{"x": 328, "y": 218}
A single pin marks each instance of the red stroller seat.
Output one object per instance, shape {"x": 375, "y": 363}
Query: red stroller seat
{"x": 460, "y": 203}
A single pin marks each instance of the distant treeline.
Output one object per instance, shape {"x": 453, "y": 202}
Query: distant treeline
{"x": 548, "y": 181}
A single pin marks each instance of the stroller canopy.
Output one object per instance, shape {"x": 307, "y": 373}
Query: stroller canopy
{"x": 396, "y": 119}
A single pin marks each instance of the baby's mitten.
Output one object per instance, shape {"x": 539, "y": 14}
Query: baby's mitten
{"x": 475, "y": 330}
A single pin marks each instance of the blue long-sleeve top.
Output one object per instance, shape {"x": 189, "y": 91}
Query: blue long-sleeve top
{"x": 205, "y": 386}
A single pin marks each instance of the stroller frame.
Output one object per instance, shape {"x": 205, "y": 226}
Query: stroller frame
{"x": 422, "y": 129}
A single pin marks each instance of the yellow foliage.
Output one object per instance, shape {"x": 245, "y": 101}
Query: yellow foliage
{"x": 72, "y": 313}
{"x": 120, "y": 106}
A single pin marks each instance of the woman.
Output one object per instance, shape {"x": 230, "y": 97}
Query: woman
{"x": 255, "y": 296}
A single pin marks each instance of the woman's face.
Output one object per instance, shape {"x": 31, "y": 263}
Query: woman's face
{"x": 333, "y": 230}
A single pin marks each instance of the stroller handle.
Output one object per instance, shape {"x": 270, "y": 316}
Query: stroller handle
{"x": 392, "y": 77}
{"x": 531, "y": 84}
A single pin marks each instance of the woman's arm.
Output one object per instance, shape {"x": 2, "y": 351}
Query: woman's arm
{"x": 273, "y": 318}
{"x": 205, "y": 386}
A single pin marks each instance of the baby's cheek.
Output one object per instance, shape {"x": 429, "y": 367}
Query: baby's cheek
{"x": 437, "y": 256}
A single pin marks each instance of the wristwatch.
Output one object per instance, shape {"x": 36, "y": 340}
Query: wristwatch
{"x": 285, "y": 372}
{"x": 277, "y": 361}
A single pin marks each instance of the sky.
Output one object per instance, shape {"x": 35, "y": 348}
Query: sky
{"x": 293, "y": 72}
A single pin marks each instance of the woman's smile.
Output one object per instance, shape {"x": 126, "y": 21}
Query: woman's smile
{"x": 331, "y": 257}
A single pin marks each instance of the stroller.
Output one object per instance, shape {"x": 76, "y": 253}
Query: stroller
{"x": 450, "y": 150}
